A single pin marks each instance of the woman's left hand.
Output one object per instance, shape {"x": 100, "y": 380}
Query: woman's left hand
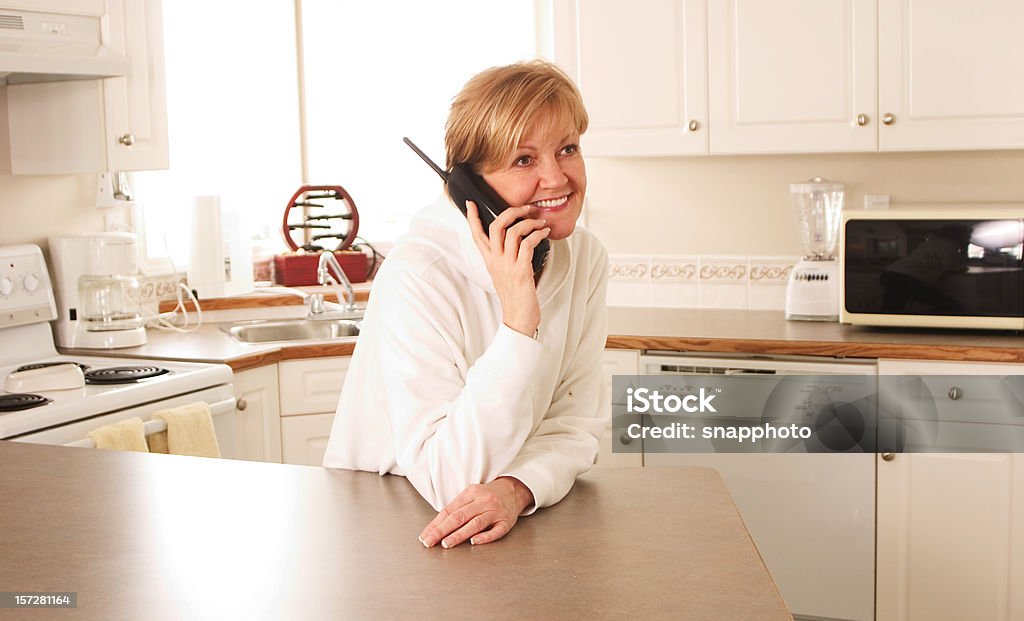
{"x": 480, "y": 513}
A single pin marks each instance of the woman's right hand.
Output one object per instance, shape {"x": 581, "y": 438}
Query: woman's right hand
{"x": 507, "y": 250}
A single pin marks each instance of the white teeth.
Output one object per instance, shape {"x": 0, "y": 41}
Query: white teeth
{"x": 554, "y": 202}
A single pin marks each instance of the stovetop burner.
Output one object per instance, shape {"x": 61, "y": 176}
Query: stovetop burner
{"x": 43, "y": 365}
{"x": 123, "y": 375}
{"x": 20, "y": 401}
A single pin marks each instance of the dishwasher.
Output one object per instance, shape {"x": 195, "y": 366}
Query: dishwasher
{"x": 811, "y": 514}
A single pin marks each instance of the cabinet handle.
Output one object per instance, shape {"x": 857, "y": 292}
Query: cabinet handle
{"x": 862, "y": 119}
{"x": 625, "y": 439}
{"x": 693, "y": 126}
{"x": 888, "y": 118}
{"x": 888, "y": 456}
{"x": 127, "y": 140}
{"x": 241, "y": 404}
{"x": 955, "y": 393}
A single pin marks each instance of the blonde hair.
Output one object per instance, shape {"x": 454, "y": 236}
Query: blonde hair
{"x": 488, "y": 117}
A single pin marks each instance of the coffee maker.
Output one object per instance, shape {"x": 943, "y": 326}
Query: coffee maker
{"x": 98, "y": 301}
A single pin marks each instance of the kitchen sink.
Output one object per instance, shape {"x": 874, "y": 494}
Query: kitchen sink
{"x": 276, "y": 330}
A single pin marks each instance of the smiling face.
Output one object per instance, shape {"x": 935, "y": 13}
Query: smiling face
{"x": 545, "y": 171}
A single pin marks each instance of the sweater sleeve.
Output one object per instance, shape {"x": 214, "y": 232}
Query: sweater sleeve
{"x": 566, "y": 442}
{"x": 450, "y": 432}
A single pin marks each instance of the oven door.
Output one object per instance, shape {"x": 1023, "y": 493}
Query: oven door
{"x": 222, "y": 406}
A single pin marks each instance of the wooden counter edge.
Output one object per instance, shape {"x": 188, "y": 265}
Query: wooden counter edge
{"x": 910, "y": 351}
{"x": 262, "y": 301}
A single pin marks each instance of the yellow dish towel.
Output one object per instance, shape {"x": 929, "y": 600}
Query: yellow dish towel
{"x": 189, "y": 430}
{"x": 125, "y": 435}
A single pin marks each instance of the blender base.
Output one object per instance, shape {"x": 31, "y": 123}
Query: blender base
{"x": 812, "y": 293}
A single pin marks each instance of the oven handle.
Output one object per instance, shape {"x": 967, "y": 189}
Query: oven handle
{"x": 156, "y": 426}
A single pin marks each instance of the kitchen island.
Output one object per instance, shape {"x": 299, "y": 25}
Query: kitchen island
{"x": 170, "y": 537}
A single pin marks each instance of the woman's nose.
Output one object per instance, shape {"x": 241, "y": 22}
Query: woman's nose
{"x": 551, "y": 174}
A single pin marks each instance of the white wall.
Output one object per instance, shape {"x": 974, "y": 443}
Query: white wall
{"x": 35, "y": 207}
{"x": 696, "y": 205}
{"x": 740, "y": 204}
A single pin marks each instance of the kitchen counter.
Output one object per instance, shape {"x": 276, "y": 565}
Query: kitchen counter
{"x": 768, "y": 332}
{"x": 169, "y": 537}
{"x": 716, "y": 330}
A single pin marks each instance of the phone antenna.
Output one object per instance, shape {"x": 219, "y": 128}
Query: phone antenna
{"x": 437, "y": 169}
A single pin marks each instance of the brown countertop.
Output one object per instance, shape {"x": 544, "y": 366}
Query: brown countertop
{"x": 718, "y": 330}
{"x": 768, "y": 332}
{"x": 169, "y": 537}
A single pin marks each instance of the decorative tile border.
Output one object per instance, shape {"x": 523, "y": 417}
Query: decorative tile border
{"x": 674, "y": 268}
{"x": 628, "y": 268}
{"x": 770, "y": 270}
{"x": 162, "y": 287}
{"x": 723, "y": 269}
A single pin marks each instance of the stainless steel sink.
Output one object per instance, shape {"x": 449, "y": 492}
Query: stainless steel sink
{"x": 269, "y": 331}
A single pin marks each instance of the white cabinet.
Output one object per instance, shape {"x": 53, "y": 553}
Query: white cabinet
{"x": 791, "y": 75}
{"x": 256, "y": 416}
{"x": 641, "y": 68}
{"x": 950, "y": 74}
{"x": 684, "y": 77}
{"x": 949, "y": 527}
{"x": 613, "y": 451}
{"x": 309, "y": 397}
{"x": 93, "y": 126}
{"x": 304, "y": 438}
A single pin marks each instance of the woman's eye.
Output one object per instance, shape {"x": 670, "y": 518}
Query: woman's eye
{"x": 571, "y": 149}
{"x": 523, "y": 160}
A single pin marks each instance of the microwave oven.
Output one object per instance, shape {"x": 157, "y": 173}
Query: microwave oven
{"x": 933, "y": 268}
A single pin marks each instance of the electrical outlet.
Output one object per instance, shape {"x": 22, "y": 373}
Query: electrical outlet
{"x": 115, "y": 221}
{"x": 876, "y": 201}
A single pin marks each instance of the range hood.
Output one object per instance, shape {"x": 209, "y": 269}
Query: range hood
{"x": 38, "y": 46}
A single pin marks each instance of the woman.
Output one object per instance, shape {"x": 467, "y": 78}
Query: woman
{"x": 473, "y": 378}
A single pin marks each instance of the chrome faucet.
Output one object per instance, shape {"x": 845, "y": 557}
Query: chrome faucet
{"x": 323, "y": 276}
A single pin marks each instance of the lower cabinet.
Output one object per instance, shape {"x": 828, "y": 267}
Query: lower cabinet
{"x": 309, "y": 397}
{"x": 949, "y": 526}
{"x": 613, "y": 451}
{"x": 256, "y": 417}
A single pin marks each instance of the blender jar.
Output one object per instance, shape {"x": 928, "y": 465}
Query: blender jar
{"x": 109, "y": 302}
{"x": 819, "y": 205}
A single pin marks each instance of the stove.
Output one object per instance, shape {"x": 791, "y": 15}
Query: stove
{"x": 47, "y": 400}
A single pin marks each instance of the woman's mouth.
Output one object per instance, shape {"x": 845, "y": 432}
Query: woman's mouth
{"x": 552, "y": 204}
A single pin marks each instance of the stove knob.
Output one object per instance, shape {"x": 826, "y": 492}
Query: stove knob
{"x": 6, "y": 286}
{"x": 31, "y": 283}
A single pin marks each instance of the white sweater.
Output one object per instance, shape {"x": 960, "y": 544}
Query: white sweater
{"x": 440, "y": 391}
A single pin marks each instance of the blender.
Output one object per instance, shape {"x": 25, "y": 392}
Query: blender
{"x": 812, "y": 293}
{"x": 98, "y": 301}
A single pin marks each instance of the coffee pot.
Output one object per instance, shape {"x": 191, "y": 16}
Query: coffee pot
{"x": 97, "y": 291}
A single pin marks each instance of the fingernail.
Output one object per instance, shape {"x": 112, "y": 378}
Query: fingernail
{"x": 444, "y": 544}
{"x": 472, "y": 542}
{"x": 423, "y": 542}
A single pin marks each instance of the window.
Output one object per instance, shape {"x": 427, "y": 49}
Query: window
{"x": 378, "y": 71}
{"x": 233, "y": 121}
{"x": 374, "y": 72}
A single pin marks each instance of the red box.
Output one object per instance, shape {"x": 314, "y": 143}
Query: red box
{"x": 298, "y": 270}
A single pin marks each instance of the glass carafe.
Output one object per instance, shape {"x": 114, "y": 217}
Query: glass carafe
{"x": 109, "y": 302}
{"x": 819, "y": 205}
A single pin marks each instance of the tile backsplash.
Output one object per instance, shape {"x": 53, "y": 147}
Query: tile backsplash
{"x": 705, "y": 281}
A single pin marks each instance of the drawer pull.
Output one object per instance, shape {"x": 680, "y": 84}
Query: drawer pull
{"x": 241, "y": 404}
{"x": 955, "y": 393}
{"x": 888, "y": 456}
{"x": 625, "y": 439}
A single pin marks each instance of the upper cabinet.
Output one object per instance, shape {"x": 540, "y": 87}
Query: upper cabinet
{"x": 92, "y": 126}
{"x": 642, "y": 69}
{"x": 793, "y": 76}
{"x": 950, "y": 74}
